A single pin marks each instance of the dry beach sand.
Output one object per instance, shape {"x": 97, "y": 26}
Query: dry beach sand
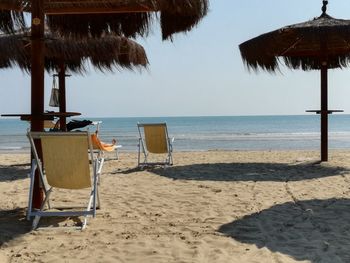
{"x": 216, "y": 206}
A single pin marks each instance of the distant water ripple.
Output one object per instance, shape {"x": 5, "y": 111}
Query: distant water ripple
{"x": 210, "y": 133}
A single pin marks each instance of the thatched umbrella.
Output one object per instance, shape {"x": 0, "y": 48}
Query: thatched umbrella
{"x": 126, "y": 17}
{"x": 319, "y": 44}
{"x": 107, "y": 53}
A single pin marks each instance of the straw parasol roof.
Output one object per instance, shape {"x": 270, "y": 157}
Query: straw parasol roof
{"x": 124, "y": 17}
{"x": 106, "y": 53}
{"x": 10, "y": 18}
{"x": 301, "y": 46}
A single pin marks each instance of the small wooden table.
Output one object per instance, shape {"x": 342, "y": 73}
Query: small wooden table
{"x": 46, "y": 116}
{"x": 328, "y": 111}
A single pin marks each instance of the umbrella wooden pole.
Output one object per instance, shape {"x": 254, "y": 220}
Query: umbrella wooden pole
{"x": 324, "y": 113}
{"x": 62, "y": 95}
{"x": 37, "y": 85}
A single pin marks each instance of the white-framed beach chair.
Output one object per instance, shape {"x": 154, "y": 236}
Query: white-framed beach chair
{"x": 154, "y": 139}
{"x": 103, "y": 147}
{"x": 100, "y": 148}
{"x": 68, "y": 163}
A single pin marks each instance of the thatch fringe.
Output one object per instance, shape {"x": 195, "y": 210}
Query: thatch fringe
{"x": 312, "y": 63}
{"x": 11, "y": 15}
{"x": 301, "y": 46}
{"x": 176, "y": 19}
{"x": 11, "y": 21}
{"x": 106, "y": 54}
{"x": 95, "y": 25}
{"x": 255, "y": 54}
{"x": 175, "y": 16}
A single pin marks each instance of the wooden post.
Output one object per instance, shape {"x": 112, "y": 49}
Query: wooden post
{"x": 37, "y": 84}
{"x": 62, "y": 94}
{"x": 324, "y": 112}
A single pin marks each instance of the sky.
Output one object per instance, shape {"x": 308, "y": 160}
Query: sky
{"x": 200, "y": 73}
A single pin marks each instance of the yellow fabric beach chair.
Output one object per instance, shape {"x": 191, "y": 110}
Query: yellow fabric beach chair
{"x": 100, "y": 148}
{"x": 51, "y": 124}
{"x": 154, "y": 139}
{"x": 66, "y": 164}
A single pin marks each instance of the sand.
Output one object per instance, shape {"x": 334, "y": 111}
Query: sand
{"x": 216, "y": 206}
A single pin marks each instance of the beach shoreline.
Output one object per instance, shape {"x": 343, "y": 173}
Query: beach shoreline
{"x": 211, "y": 206}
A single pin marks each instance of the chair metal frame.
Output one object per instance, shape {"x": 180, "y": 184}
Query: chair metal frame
{"x": 94, "y": 199}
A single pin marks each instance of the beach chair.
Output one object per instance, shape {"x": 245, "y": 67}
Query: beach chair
{"x": 154, "y": 139}
{"x": 100, "y": 148}
{"x": 68, "y": 163}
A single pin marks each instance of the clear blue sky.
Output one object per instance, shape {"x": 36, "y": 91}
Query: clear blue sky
{"x": 200, "y": 73}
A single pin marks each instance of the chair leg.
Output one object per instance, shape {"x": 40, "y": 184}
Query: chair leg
{"x": 145, "y": 155}
{"x": 31, "y": 186}
{"x": 35, "y": 222}
{"x": 84, "y": 223}
{"x": 138, "y": 154}
{"x": 171, "y": 159}
{"x": 91, "y": 202}
{"x": 95, "y": 194}
{"x": 37, "y": 218}
{"x": 100, "y": 163}
{"x": 98, "y": 205}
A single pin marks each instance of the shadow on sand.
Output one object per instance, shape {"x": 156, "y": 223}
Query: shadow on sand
{"x": 249, "y": 172}
{"x": 313, "y": 230}
{"x": 14, "y": 172}
{"x": 13, "y": 224}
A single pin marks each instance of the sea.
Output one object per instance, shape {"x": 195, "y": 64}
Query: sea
{"x": 301, "y": 132}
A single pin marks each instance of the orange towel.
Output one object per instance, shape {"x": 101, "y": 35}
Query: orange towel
{"x": 97, "y": 144}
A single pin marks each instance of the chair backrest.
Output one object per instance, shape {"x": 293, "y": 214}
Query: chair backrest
{"x": 155, "y": 136}
{"x": 50, "y": 124}
{"x": 65, "y": 158}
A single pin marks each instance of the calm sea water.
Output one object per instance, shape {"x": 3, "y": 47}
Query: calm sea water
{"x": 210, "y": 133}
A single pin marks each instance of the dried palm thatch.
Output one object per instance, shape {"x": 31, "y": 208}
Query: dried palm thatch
{"x": 306, "y": 45}
{"x": 80, "y": 26}
{"x": 174, "y": 19}
{"x": 106, "y": 54}
{"x": 127, "y": 17}
{"x": 10, "y": 18}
